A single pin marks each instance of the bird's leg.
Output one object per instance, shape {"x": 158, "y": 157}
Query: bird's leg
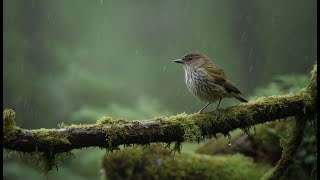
{"x": 219, "y": 103}
{"x": 200, "y": 112}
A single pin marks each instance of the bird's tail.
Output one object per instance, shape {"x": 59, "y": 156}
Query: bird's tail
{"x": 240, "y": 98}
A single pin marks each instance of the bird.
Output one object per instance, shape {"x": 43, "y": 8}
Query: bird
{"x": 206, "y": 81}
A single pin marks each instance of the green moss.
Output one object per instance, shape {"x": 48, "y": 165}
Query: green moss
{"x": 155, "y": 162}
{"x": 116, "y": 133}
{"x": 104, "y": 120}
{"x": 289, "y": 149}
{"x": 45, "y": 161}
{"x": 82, "y": 126}
{"x": 189, "y": 127}
{"x": 313, "y": 84}
{"x": 62, "y": 125}
{"x": 9, "y": 125}
{"x": 8, "y": 118}
{"x": 192, "y": 131}
{"x": 50, "y": 137}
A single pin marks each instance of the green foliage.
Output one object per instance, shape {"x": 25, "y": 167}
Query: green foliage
{"x": 283, "y": 84}
{"x": 9, "y": 124}
{"x": 155, "y": 162}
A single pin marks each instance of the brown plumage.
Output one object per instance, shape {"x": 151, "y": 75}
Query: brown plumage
{"x": 206, "y": 80}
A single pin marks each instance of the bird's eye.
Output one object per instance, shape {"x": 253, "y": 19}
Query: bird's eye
{"x": 190, "y": 58}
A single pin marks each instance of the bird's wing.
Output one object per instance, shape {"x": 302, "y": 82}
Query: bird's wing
{"x": 220, "y": 77}
{"x": 231, "y": 87}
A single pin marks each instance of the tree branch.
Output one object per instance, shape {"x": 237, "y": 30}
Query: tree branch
{"x": 108, "y": 133}
{"x": 289, "y": 150}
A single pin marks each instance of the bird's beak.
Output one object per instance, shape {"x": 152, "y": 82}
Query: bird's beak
{"x": 178, "y": 61}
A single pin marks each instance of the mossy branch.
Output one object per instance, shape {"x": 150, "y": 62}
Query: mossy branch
{"x": 289, "y": 150}
{"x": 108, "y": 133}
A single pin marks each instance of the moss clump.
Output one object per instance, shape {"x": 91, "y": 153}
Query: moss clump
{"x": 62, "y": 125}
{"x": 104, "y": 120}
{"x": 9, "y": 125}
{"x": 47, "y": 160}
{"x": 192, "y": 131}
{"x": 313, "y": 84}
{"x": 50, "y": 137}
{"x": 155, "y": 162}
{"x": 8, "y": 118}
{"x": 43, "y": 161}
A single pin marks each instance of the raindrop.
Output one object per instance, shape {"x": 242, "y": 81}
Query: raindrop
{"x": 229, "y": 139}
{"x": 137, "y": 52}
{"x": 244, "y": 37}
{"x": 164, "y": 68}
{"x": 251, "y": 51}
{"x": 250, "y": 68}
{"x": 101, "y": 2}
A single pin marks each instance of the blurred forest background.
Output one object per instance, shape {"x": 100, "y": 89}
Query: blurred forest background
{"x": 75, "y": 61}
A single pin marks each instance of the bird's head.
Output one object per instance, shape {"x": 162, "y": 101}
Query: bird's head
{"x": 193, "y": 59}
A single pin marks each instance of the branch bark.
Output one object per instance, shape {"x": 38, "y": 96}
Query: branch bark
{"x": 108, "y": 133}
